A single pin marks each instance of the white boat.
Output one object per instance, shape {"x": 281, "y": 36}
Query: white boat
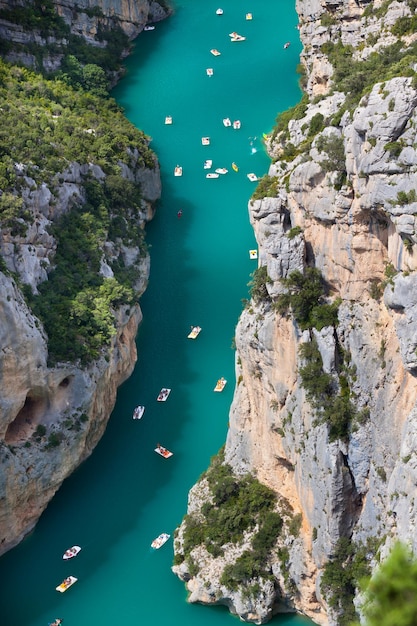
{"x": 160, "y": 540}
{"x": 209, "y": 71}
{"x": 238, "y": 38}
{"x": 215, "y": 52}
{"x": 71, "y": 552}
{"x": 212, "y": 175}
{"x": 138, "y": 412}
{"x": 287, "y": 45}
{"x": 227, "y": 122}
{"x": 178, "y": 171}
{"x": 207, "y": 164}
{"x": 195, "y": 331}
{"x": 163, "y": 451}
{"x": 249, "y": 16}
{"x": 149, "y": 28}
{"x": 221, "y": 384}
{"x": 205, "y": 141}
{"x": 253, "y": 254}
{"x": 168, "y": 119}
{"x": 252, "y": 177}
{"x": 163, "y": 394}
{"x": 219, "y": 12}
{"x": 236, "y": 124}
{"x": 66, "y": 584}
{"x": 221, "y": 170}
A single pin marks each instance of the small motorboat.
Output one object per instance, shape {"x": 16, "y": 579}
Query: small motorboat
{"x": 219, "y": 12}
{"x": 138, "y": 412}
{"x": 163, "y": 394}
{"x": 221, "y": 384}
{"x": 179, "y": 214}
{"x": 237, "y": 124}
{"x": 253, "y": 254}
{"x": 215, "y": 52}
{"x": 227, "y": 121}
{"x": 195, "y": 331}
{"x": 57, "y": 621}
{"x": 66, "y": 584}
{"x": 163, "y": 451}
{"x": 209, "y": 71}
{"x": 168, "y": 119}
{"x": 249, "y": 16}
{"x": 160, "y": 540}
{"x": 235, "y": 167}
{"x": 71, "y": 552}
{"x": 205, "y": 141}
{"x": 287, "y": 45}
{"x": 221, "y": 170}
{"x": 252, "y": 177}
{"x": 149, "y": 28}
{"x": 178, "y": 171}
{"x": 212, "y": 175}
{"x": 207, "y": 164}
{"x": 238, "y": 38}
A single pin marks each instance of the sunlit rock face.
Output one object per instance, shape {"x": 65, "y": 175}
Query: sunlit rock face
{"x": 346, "y": 204}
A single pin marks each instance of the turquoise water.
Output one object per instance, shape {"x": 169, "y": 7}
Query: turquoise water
{"x": 125, "y": 495}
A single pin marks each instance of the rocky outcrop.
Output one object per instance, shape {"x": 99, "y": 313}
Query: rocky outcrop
{"x": 85, "y": 18}
{"x": 346, "y": 204}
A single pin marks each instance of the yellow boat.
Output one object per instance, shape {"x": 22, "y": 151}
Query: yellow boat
{"x": 235, "y": 167}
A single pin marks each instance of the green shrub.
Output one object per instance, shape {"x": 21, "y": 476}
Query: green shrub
{"x": 258, "y": 284}
{"x": 294, "y": 231}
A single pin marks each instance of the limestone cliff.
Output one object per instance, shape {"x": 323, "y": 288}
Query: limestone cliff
{"x": 342, "y": 199}
{"x": 87, "y": 19}
{"x": 54, "y": 406}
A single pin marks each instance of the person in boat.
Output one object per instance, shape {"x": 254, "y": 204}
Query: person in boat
{"x": 179, "y": 214}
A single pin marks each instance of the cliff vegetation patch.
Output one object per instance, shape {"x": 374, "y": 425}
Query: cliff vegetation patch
{"x": 236, "y": 505}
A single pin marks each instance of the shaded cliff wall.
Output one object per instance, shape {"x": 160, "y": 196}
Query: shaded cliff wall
{"x": 346, "y": 204}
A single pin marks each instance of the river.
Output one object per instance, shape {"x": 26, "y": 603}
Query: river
{"x": 124, "y": 494}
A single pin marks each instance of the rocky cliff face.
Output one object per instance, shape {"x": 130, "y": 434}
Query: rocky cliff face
{"x": 345, "y": 172}
{"x": 86, "y": 18}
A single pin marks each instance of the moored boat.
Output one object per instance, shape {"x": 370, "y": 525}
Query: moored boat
{"x": 71, "y": 552}
{"x": 215, "y": 52}
{"x": 221, "y": 384}
{"x": 57, "y": 621}
{"x": 235, "y": 167}
{"x": 287, "y": 45}
{"x": 195, "y": 331}
{"x": 160, "y": 540}
{"x": 238, "y": 38}
{"x": 66, "y": 584}
{"x": 237, "y": 124}
{"x": 249, "y": 16}
{"x": 207, "y": 164}
{"x": 149, "y": 28}
{"x": 252, "y": 177}
{"x": 163, "y": 394}
{"x": 209, "y": 71}
{"x": 219, "y": 12}
{"x": 212, "y": 175}
{"x": 227, "y": 122}
{"x": 205, "y": 141}
{"x": 163, "y": 451}
{"x": 168, "y": 119}
{"x": 178, "y": 171}
{"x": 138, "y": 412}
{"x": 221, "y": 170}
{"x": 253, "y": 254}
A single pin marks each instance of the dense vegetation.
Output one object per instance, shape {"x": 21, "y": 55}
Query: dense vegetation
{"x": 46, "y": 126}
{"x": 236, "y": 505}
{"x": 390, "y": 596}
